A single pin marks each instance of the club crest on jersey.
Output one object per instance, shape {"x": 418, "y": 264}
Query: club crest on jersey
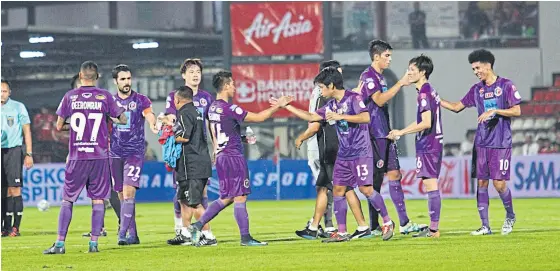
{"x": 74, "y": 97}
{"x": 203, "y": 102}
{"x": 489, "y": 95}
{"x": 380, "y": 163}
{"x": 86, "y": 95}
{"x": 246, "y": 183}
{"x": 100, "y": 97}
{"x": 344, "y": 107}
{"x": 196, "y": 103}
{"x": 498, "y": 91}
{"x": 481, "y": 91}
{"x": 10, "y": 121}
{"x": 132, "y": 105}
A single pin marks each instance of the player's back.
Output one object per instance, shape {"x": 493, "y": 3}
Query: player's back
{"x": 431, "y": 139}
{"x": 225, "y": 121}
{"x": 375, "y": 82}
{"x": 88, "y": 109}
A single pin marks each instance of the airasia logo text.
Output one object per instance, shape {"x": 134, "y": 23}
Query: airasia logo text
{"x": 262, "y": 27}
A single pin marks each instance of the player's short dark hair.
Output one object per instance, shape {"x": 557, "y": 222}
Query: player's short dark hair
{"x": 220, "y": 79}
{"x": 90, "y": 70}
{"x": 482, "y": 56}
{"x": 329, "y": 75}
{"x": 4, "y": 81}
{"x": 423, "y": 63}
{"x": 189, "y": 62}
{"x": 184, "y": 92}
{"x": 119, "y": 68}
{"x": 74, "y": 81}
{"x": 377, "y": 47}
{"x": 329, "y": 63}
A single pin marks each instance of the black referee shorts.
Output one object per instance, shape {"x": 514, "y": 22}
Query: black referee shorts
{"x": 190, "y": 191}
{"x": 12, "y": 167}
{"x": 325, "y": 178}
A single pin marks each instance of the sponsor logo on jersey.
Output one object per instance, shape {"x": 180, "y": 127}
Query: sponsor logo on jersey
{"x": 100, "y": 97}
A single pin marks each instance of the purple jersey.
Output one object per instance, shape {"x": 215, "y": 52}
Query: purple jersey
{"x": 430, "y": 140}
{"x": 128, "y": 139}
{"x": 496, "y": 132}
{"x": 88, "y": 109}
{"x": 353, "y": 139}
{"x": 225, "y": 122}
{"x": 373, "y": 82}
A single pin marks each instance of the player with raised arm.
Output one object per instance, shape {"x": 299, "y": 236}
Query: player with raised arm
{"x": 127, "y": 150}
{"x": 225, "y": 120}
{"x": 429, "y": 138}
{"x": 376, "y": 95}
{"x": 497, "y": 101}
{"x": 354, "y": 164}
{"x": 88, "y": 108}
{"x": 191, "y": 71}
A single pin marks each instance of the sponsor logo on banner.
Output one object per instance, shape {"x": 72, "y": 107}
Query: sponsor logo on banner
{"x": 270, "y": 28}
{"x": 255, "y": 84}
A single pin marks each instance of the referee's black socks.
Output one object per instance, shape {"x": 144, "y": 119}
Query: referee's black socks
{"x": 18, "y": 210}
{"x": 9, "y": 213}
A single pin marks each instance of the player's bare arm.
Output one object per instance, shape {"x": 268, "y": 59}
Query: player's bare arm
{"x": 382, "y": 98}
{"x": 180, "y": 139}
{"x": 121, "y": 120}
{"x": 28, "y": 160}
{"x": 362, "y": 118}
{"x": 267, "y": 113}
{"x": 452, "y": 106}
{"x": 151, "y": 119}
{"x": 414, "y": 127}
{"x": 514, "y": 111}
{"x": 311, "y": 130}
{"x": 61, "y": 124}
{"x": 304, "y": 115}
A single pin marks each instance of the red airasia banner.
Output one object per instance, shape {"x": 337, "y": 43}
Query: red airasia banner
{"x": 276, "y": 28}
{"x": 255, "y": 84}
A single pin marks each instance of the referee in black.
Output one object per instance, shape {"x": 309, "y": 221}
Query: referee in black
{"x": 194, "y": 166}
{"x": 15, "y": 120}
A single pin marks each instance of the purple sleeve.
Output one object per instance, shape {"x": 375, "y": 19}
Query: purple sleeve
{"x": 238, "y": 113}
{"x": 424, "y": 102}
{"x": 513, "y": 97}
{"x": 322, "y": 111}
{"x": 62, "y": 110}
{"x": 114, "y": 110}
{"x": 358, "y": 105}
{"x": 468, "y": 100}
{"x": 146, "y": 103}
{"x": 170, "y": 104}
{"x": 370, "y": 87}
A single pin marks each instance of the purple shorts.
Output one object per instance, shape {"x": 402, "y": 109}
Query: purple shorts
{"x": 233, "y": 175}
{"x": 385, "y": 155}
{"x": 492, "y": 163}
{"x": 92, "y": 174}
{"x": 126, "y": 171}
{"x": 428, "y": 165}
{"x": 353, "y": 173}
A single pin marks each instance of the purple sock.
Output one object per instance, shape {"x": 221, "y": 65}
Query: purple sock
{"x": 176, "y": 207}
{"x": 127, "y": 214}
{"x": 205, "y": 202}
{"x": 340, "y": 211}
{"x": 213, "y": 210}
{"x": 64, "y": 219}
{"x": 132, "y": 227}
{"x": 397, "y": 195}
{"x": 97, "y": 217}
{"x": 508, "y": 203}
{"x": 377, "y": 201}
{"x": 242, "y": 217}
{"x": 482, "y": 202}
{"x": 434, "y": 208}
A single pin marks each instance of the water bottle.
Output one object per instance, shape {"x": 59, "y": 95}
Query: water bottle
{"x": 331, "y": 122}
{"x": 159, "y": 122}
{"x": 250, "y": 135}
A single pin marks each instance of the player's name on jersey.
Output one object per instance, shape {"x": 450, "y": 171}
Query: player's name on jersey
{"x": 87, "y": 105}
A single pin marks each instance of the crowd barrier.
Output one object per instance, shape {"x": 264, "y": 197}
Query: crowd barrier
{"x": 531, "y": 176}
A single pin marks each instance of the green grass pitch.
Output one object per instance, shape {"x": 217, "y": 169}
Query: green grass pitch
{"x": 533, "y": 245}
